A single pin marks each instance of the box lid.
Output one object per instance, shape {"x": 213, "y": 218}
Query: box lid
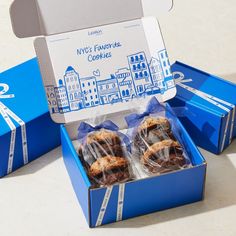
{"x": 43, "y": 17}
{"x": 90, "y": 71}
{"x": 201, "y": 88}
{"x": 17, "y": 85}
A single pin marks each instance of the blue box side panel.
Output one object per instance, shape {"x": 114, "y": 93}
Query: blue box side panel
{"x": 4, "y": 153}
{"x": 76, "y": 172}
{"x": 203, "y": 126}
{"x": 151, "y": 195}
{"x": 234, "y": 130}
{"x": 42, "y": 136}
{"x": 224, "y": 131}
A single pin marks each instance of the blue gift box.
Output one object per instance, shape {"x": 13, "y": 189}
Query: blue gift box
{"x": 122, "y": 201}
{"x": 93, "y": 67}
{"x": 209, "y": 103}
{"x": 26, "y": 128}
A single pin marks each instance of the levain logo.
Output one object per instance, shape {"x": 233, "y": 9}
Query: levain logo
{"x": 95, "y": 32}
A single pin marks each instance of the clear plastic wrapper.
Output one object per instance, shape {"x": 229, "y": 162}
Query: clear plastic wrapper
{"x": 156, "y": 141}
{"x": 103, "y": 153}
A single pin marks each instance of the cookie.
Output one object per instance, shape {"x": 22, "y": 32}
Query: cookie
{"x": 98, "y": 150}
{"x": 152, "y": 130}
{"x": 99, "y": 144}
{"x": 164, "y": 156}
{"x": 103, "y": 137}
{"x": 95, "y": 151}
{"x": 151, "y": 123}
{"x": 109, "y": 170}
{"x": 145, "y": 139}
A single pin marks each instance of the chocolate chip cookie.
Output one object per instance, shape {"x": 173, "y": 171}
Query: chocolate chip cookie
{"x": 152, "y": 130}
{"x": 109, "y": 170}
{"x": 164, "y": 156}
{"x": 99, "y": 144}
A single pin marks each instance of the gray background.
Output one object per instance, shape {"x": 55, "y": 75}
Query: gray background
{"x": 39, "y": 200}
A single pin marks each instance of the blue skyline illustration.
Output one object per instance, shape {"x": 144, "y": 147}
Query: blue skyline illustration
{"x": 138, "y": 79}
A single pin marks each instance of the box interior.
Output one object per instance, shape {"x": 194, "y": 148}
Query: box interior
{"x": 191, "y": 150}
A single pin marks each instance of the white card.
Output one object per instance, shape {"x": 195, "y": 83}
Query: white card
{"x": 105, "y": 69}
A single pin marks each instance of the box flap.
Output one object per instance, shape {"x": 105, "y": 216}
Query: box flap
{"x": 43, "y": 17}
{"x": 104, "y": 70}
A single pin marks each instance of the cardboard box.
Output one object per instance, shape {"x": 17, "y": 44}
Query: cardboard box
{"x": 26, "y": 128}
{"x": 122, "y": 201}
{"x": 209, "y": 102}
{"x": 106, "y": 70}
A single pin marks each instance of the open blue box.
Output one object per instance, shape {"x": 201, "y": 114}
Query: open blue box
{"x": 161, "y": 192}
{"x": 209, "y": 103}
{"x": 131, "y": 67}
{"x": 26, "y": 128}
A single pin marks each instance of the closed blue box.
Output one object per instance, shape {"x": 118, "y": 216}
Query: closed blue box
{"x": 209, "y": 103}
{"x": 122, "y": 201}
{"x": 26, "y": 128}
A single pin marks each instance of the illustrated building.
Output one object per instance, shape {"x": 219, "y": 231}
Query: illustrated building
{"x": 157, "y": 73}
{"x": 140, "y": 72}
{"x": 165, "y": 63}
{"x": 62, "y": 98}
{"x": 90, "y": 91}
{"x": 52, "y": 101}
{"x": 125, "y": 84}
{"x": 73, "y": 88}
{"x": 108, "y": 91}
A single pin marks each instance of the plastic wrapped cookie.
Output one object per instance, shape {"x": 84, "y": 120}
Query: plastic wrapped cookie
{"x": 162, "y": 157}
{"x": 154, "y": 144}
{"x": 152, "y": 130}
{"x": 102, "y": 143}
{"x": 103, "y": 153}
{"x": 109, "y": 170}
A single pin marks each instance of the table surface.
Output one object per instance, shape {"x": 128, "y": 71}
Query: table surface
{"x": 38, "y": 199}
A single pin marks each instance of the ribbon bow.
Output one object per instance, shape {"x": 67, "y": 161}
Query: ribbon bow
{"x": 181, "y": 79}
{"x": 85, "y": 128}
{"x": 153, "y": 107}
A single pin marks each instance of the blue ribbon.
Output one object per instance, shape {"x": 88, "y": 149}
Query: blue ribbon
{"x": 154, "y": 106}
{"x": 85, "y": 128}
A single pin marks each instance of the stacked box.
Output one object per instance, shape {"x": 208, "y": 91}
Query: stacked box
{"x": 209, "y": 105}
